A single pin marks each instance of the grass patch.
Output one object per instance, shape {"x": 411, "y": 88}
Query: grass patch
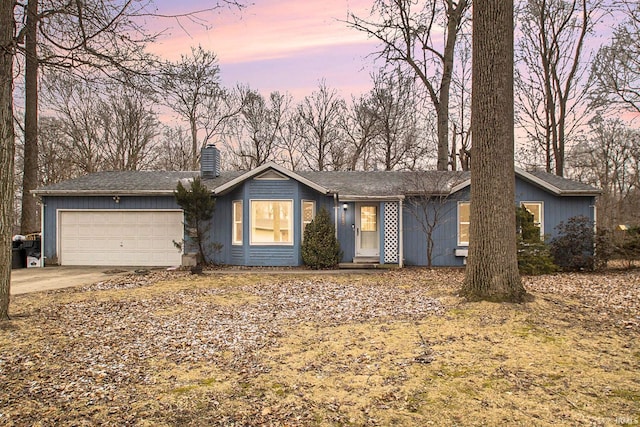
{"x": 395, "y": 348}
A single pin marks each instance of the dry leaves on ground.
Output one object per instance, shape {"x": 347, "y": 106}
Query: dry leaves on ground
{"x": 245, "y": 349}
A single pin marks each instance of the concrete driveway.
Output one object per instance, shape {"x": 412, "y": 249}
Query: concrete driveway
{"x": 24, "y": 280}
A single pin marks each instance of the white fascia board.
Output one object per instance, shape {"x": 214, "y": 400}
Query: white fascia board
{"x": 353, "y": 198}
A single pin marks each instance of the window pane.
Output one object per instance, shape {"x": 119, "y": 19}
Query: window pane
{"x": 464, "y": 214}
{"x": 271, "y": 221}
{"x": 464, "y": 233}
{"x": 368, "y": 218}
{"x": 534, "y": 209}
{"x": 237, "y": 223}
{"x": 308, "y": 213}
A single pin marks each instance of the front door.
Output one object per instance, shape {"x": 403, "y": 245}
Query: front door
{"x": 367, "y": 230}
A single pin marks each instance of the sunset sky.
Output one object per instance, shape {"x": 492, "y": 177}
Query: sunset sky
{"x": 285, "y": 45}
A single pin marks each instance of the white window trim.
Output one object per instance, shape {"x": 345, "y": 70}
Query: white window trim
{"x": 291, "y": 223}
{"x": 458, "y": 222}
{"x": 234, "y": 221}
{"x": 302, "y": 226}
{"x": 541, "y": 203}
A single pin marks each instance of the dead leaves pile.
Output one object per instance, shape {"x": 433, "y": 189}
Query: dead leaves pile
{"x": 611, "y": 298}
{"x": 99, "y": 352}
{"x": 104, "y": 353}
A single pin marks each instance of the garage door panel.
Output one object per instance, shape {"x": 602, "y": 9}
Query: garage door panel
{"x": 126, "y": 238}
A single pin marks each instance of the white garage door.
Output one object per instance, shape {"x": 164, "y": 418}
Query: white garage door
{"x": 126, "y": 238}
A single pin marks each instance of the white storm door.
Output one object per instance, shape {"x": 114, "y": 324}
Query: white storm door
{"x": 367, "y": 230}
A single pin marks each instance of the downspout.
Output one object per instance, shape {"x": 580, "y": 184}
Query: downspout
{"x": 41, "y": 233}
{"x": 400, "y": 238}
{"x": 335, "y": 213}
{"x": 595, "y": 229}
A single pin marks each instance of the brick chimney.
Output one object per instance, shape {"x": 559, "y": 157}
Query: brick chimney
{"x": 209, "y": 162}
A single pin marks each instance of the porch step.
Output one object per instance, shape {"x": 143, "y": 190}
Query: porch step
{"x": 366, "y": 260}
{"x": 365, "y": 266}
{"x": 357, "y": 265}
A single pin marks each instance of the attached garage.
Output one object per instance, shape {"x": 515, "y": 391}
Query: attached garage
{"x": 119, "y": 237}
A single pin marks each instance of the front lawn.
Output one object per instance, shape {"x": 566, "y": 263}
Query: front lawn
{"x": 393, "y": 348}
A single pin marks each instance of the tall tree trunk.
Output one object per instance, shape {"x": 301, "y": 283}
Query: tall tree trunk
{"x": 7, "y": 150}
{"x": 29, "y": 218}
{"x": 492, "y": 270}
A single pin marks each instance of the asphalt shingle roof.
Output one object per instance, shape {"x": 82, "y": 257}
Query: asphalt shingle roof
{"x": 345, "y": 183}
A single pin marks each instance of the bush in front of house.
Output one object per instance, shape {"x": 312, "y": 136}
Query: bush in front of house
{"x": 320, "y": 248}
{"x": 534, "y": 256}
{"x": 572, "y": 249}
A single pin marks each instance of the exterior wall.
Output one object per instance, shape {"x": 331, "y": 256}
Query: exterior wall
{"x": 556, "y": 209}
{"x": 262, "y": 255}
{"x": 54, "y": 203}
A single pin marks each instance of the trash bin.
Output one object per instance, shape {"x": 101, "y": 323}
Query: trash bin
{"x": 18, "y": 258}
{"x": 32, "y": 252}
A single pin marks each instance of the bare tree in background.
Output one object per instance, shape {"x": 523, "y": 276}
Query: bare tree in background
{"x": 461, "y": 107}
{"x": 492, "y": 268}
{"x": 616, "y": 69}
{"x": 257, "y": 129}
{"x": 400, "y": 142}
{"x": 130, "y": 127}
{"x": 319, "y": 116}
{"x": 360, "y": 127}
{"x": 174, "y": 149}
{"x": 552, "y": 81}
{"x": 55, "y": 163}
{"x": 290, "y": 147}
{"x": 77, "y": 107}
{"x": 409, "y": 33}
{"x": 190, "y": 85}
{"x": 610, "y": 160}
{"x": 7, "y": 150}
{"x": 108, "y": 126}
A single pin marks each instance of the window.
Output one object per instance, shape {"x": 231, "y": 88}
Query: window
{"x": 464, "y": 213}
{"x": 237, "y": 222}
{"x": 536, "y": 209}
{"x": 271, "y": 222}
{"x": 308, "y": 213}
{"x": 368, "y": 218}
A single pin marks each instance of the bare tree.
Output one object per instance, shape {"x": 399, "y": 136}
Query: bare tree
{"x": 290, "y": 147}
{"x": 257, "y": 129}
{"x": 130, "y": 128}
{"x": 492, "y": 269}
{"x": 409, "y": 33}
{"x": 174, "y": 149}
{"x": 360, "y": 127}
{"x": 319, "y": 116}
{"x": 616, "y": 69}
{"x": 461, "y": 107}
{"x": 54, "y": 161}
{"x": 430, "y": 204}
{"x": 609, "y": 160}
{"x": 551, "y": 80}
{"x": 7, "y": 150}
{"x": 77, "y": 105}
{"x": 399, "y": 142}
{"x": 189, "y": 86}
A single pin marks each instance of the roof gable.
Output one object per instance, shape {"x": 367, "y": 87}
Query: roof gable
{"x": 270, "y": 169}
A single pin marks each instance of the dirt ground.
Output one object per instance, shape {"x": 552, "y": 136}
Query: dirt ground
{"x": 392, "y": 348}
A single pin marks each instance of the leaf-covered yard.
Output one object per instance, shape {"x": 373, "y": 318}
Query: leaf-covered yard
{"x": 392, "y": 348}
